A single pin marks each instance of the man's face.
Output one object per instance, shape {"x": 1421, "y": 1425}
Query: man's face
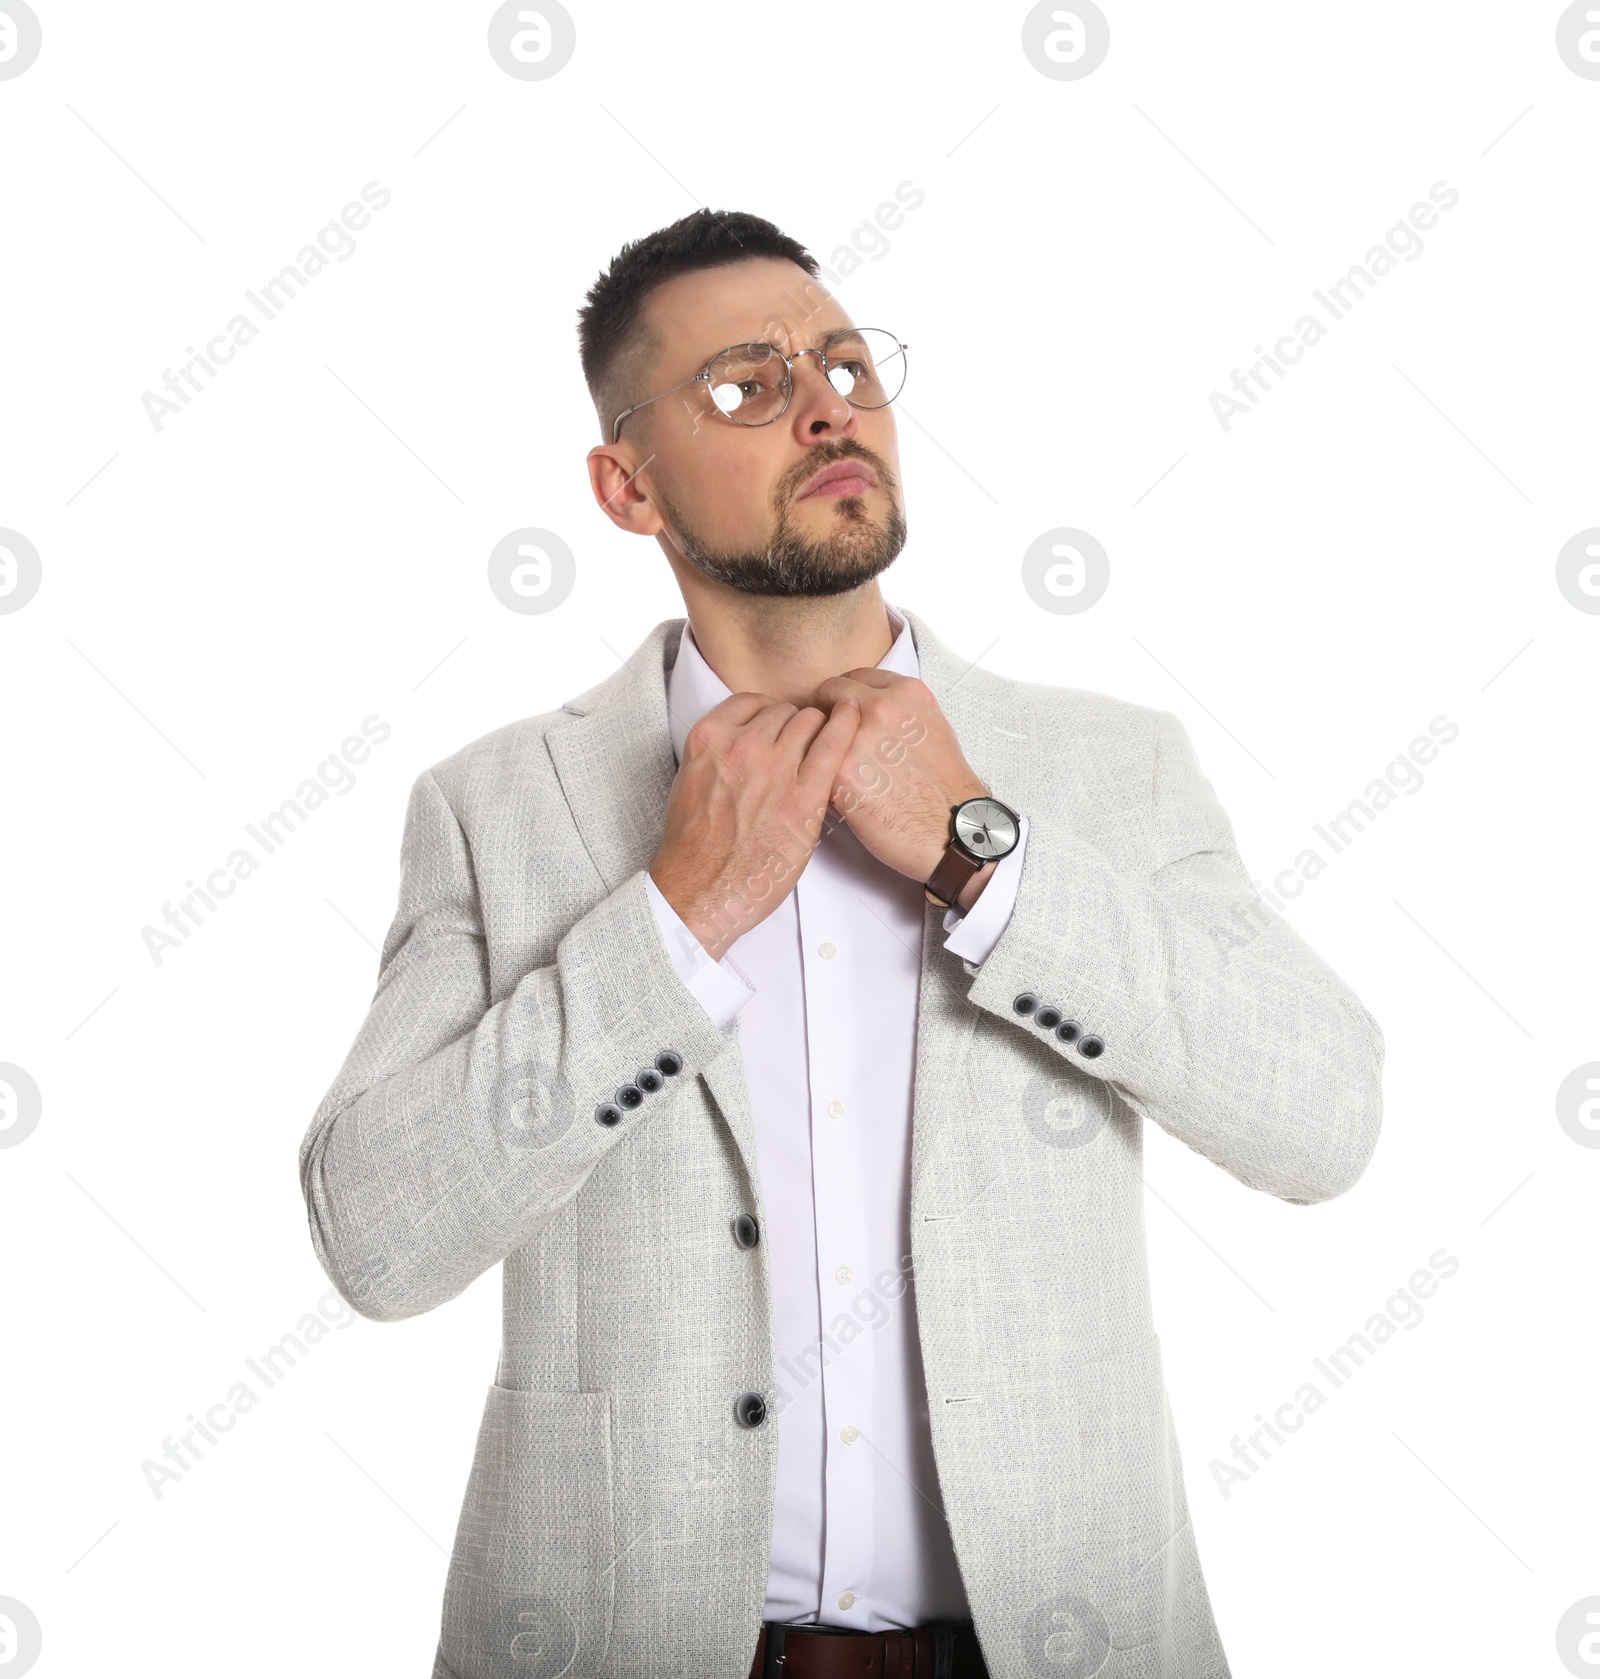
{"x": 744, "y": 504}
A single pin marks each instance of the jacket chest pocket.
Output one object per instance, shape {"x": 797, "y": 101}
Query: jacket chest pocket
{"x": 529, "y": 1593}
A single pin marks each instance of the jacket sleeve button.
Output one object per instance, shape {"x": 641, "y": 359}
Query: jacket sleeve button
{"x": 1025, "y": 1002}
{"x": 629, "y": 1096}
{"x": 670, "y": 1062}
{"x": 1068, "y": 1030}
{"x": 608, "y": 1113}
{"x": 649, "y": 1080}
{"x": 1048, "y": 1016}
{"x": 1090, "y": 1047}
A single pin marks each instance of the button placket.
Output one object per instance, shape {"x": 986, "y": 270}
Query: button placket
{"x": 840, "y": 1176}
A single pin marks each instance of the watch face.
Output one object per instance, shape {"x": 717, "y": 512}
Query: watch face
{"x": 987, "y": 828}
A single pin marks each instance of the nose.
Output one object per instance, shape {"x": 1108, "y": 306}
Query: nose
{"x": 818, "y": 409}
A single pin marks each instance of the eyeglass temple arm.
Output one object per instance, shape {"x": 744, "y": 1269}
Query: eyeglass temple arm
{"x": 656, "y": 398}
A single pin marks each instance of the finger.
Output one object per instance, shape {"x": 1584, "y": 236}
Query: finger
{"x": 835, "y": 688}
{"x": 856, "y": 683}
{"x": 772, "y": 719}
{"x": 738, "y": 709}
{"x": 797, "y": 734}
{"x": 718, "y": 726}
{"x": 820, "y": 769}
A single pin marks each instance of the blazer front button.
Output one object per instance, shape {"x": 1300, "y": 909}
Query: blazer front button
{"x": 1025, "y": 1002}
{"x": 629, "y": 1096}
{"x": 746, "y": 1232}
{"x": 1091, "y": 1047}
{"x": 751, "y": 1410}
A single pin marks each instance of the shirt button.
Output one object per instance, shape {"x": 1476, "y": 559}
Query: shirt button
{"x": 846, "y": 1600}
{"x": 827, "y": 951}
{"x": 836, "y": 1110}
{"x": 850, "y": 1435}
{"x": 844, "y": 1274}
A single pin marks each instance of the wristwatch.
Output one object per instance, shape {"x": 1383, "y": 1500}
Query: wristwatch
{"x": 982, "y": 830}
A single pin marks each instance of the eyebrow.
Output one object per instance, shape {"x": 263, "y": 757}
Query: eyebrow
{"x": 837, "y": 332}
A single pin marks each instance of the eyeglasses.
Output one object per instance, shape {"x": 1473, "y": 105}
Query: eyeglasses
{"x": 751, "y": 384}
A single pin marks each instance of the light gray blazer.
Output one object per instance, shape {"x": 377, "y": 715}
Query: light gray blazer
{"x": 617, "y": 1519}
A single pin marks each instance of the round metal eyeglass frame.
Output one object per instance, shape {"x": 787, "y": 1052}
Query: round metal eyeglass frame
{"x": 788, "y": 366}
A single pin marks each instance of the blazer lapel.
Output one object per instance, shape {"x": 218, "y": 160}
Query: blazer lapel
{"x": 996, "y": 738}
{"x": 613, "y": 757}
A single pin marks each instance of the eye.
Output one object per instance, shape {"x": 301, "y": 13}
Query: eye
{"x": 735, "y": 393}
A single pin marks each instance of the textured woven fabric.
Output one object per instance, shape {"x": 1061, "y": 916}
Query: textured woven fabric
{"x": 618, "y": 1516}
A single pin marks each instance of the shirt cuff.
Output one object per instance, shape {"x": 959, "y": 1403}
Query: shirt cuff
{"x": 719, "y": 987}
{"x": 977, "y": 931}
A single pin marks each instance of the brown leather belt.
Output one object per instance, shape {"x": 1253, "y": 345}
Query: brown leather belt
{"x": 938, "y": 1651}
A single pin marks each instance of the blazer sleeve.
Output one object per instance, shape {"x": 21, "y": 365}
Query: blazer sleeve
{"x": 1211, "y": 1015}
{"x": 457, "y": 1128}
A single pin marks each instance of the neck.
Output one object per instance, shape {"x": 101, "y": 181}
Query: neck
{"x": 785, "y": 646}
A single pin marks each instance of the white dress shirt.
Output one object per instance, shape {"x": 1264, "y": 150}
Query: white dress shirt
{"x": 826, "y": 991}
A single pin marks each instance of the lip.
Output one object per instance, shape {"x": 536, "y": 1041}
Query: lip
{"x": 850, "y": 477}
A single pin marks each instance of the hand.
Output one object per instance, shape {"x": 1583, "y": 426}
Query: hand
{"x": 902, "y": 771}
{"x": 746, "y": 810}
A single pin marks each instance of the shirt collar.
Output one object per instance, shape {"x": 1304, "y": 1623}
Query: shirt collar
{"x": 693, "y": 687}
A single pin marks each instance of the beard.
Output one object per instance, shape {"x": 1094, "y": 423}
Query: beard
{"x": 855, "y": 551}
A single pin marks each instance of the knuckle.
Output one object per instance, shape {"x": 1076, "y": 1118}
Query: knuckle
{"x": 702, "y": 738}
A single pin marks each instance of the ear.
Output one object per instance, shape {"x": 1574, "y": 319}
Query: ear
{"x": 615, "y": 481}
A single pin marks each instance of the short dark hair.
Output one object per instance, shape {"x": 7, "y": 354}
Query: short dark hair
{"x": 610, "y": 337}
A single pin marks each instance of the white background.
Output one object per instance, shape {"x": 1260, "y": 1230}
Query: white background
{"x": 225, "y": 599}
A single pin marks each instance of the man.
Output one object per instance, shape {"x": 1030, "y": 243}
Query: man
{"x": 783, "y": 1013}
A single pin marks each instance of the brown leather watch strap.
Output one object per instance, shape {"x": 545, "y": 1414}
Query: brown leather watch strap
{"x": 947, "y": 882}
